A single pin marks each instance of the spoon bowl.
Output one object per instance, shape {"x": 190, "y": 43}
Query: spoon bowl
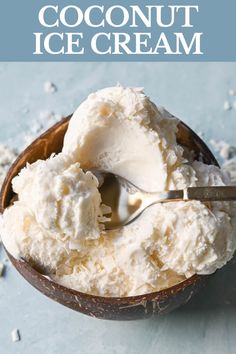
{"x": 113, "y": 308}
{"x": 127, "y": 202}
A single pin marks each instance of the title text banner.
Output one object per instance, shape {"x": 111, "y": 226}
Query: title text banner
{"x": 177, "y": 30}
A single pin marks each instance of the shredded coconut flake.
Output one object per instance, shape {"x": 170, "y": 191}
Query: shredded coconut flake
{"x": 227, "y": 106}
{"x": 232, "y": 92}
{"x": 7, "y": 156}
{"x": 44, "y": 121}
{"x": 15, "y": 335}
{"x": 225, "y": 150}
{"x": 49, "y": 87}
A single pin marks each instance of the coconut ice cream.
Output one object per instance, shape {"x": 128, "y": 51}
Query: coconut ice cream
{"x": 59, "y": 215}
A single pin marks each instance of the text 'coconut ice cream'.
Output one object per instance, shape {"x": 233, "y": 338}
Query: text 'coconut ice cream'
{"x": 59, "y": 215}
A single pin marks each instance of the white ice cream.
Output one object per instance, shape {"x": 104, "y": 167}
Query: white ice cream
{"x": 58, "y": 216}
{"x": 58, "y": 206}
{"x": 121, "y": 130}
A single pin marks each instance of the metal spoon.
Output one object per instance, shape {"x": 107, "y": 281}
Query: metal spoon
{"x": 127, "y": 201}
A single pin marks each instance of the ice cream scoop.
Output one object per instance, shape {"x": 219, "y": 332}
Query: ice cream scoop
{"x": 127, "y": 201}
{"x": 133, "y": 307}
{"x": 118, "y": 130}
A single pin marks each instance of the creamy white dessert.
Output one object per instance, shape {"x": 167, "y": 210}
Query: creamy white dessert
{"x": 58, "y": 218}
{"x": 122, "y": 131}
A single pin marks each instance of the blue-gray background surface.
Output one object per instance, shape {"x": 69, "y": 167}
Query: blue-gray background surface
{"x": 194, "y": 92}
{"x": 216, "y": 20}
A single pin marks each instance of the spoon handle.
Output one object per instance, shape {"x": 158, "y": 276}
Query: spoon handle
{"x": 210, "y": 193}
{"x": 204, "y": 194}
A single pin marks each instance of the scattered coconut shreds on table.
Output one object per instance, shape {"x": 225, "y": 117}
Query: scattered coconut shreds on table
{"x": 45, "y": 120}
{"x": 7, "y": 157}
{"x": 225, "y": 150}
{"x": 232, "y": 92}
{"x": 227, "y": 106}
{"x": 48, "y": 116}
{"x": 15, "y": 335}
{"x": 49, "y": 87}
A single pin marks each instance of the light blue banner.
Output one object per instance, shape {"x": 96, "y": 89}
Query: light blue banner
{"x": 119, "y": 30}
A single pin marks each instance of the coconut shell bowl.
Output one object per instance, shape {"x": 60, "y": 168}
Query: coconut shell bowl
{"x": 110, "y": 308}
